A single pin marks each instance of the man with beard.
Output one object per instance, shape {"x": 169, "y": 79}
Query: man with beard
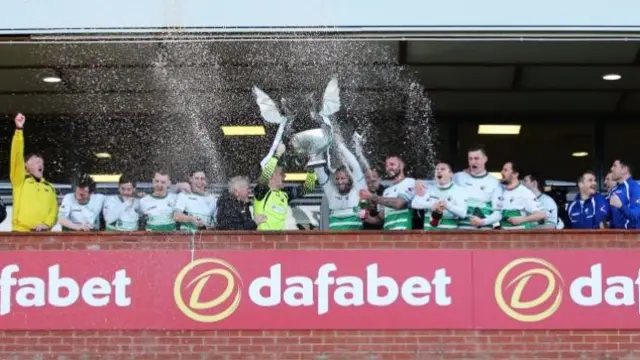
{"x": 395, "y": 204}
{"x": 625, "y": 197}
{"x": 80, "y": 210}
{"x": 444, "y": 204}
{"x": 342, "y": 192}
{"x": 121, "y": 211}
{"x": 480, "y": 188}
{"x": 535, "y": 183}
{"x": 518, "y": 206}
{"x": 196, "y": 210}
{"x": 35, "y": 204}
{"x": 589, "y": 210}
{"x": 271, "y": 199}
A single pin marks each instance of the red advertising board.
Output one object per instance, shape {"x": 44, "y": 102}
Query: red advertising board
{"x": 572, "y": 289}
{"x": 356, "y": 289}
{"x": 329, "y": 289}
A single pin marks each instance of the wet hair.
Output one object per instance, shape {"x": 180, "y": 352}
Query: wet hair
{"x": 84, "y": 181}
{"x": 514, "y": 167}
{"x": 397, "y": 156}
{"x": 540, "y": 181}
{"x": 627, "y": 164}
{"x": 193, "y": 171}
{"x": 161, "y": 172}
{"x": 237, "y": 182}
{"x": 343, "y": 169}
{"x": 477, "y": 148}
{"x": 584, "y": 173}
{"x": 125, "y": 179}
{"x": 445, "y": 163}
{"x": 28, "y": 156}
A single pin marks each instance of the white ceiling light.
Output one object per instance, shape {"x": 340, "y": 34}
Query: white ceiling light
{"x": 51, "y": 79}
{"x": 496, "y": 174}
{"x": 103, "y": 155}
{"x": 105, "y": 178}
{"x": 611, "y": 77}
{"x": 499, "y": 129}
{"x": 295, "y": 176}
{"x": 580, "y": 154}
{"x": 243, "y": 130}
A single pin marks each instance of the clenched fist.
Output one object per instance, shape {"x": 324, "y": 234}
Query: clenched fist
{"x": 20, "y": 119}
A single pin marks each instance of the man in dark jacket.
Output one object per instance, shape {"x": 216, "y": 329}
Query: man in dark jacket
{"x": 233, "y": 208}
{"x": 3, "y": 211}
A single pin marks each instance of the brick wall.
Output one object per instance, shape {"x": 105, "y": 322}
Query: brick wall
{"x": 336, "y": 345}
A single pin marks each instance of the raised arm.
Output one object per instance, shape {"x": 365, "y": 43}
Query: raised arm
{"x": 322, "y": 174}
{"x": 16, "y": 170}
{"x": 353, "y": 163}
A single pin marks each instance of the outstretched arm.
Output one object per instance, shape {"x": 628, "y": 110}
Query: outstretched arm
{"x": 16, "y": 170}
{"x": 352, "y": 162}
{"x": 277, "y": 142}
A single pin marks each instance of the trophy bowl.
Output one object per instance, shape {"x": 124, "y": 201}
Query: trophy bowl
{"x": 312, "y": 143}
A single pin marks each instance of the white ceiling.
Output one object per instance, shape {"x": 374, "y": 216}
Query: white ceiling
{"x": 461, "y": 77}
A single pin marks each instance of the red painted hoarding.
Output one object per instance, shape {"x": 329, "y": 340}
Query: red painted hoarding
{"x": 367, "y": 289}
{"x": 556, "y": 289}
{"x": 330, "y": 289}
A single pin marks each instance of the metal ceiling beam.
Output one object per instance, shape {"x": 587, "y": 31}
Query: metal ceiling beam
{"x": 224, "y": 64}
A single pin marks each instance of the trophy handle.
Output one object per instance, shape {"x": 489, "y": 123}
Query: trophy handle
{"x": 268, "y": 108}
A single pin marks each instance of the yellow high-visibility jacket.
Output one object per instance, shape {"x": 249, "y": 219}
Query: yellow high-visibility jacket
{"x": 34, "y": 201}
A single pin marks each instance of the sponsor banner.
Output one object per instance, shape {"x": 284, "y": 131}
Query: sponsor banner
{"x": 366, "y": 289}
{"x": 583, "y": 289}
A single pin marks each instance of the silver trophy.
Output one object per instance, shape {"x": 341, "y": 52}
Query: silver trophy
{"x": 312, "y": 143}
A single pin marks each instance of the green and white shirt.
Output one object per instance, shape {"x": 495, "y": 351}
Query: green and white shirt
{"x": 343, "y": 208}
{"x": 399, "y": 219}
{"x": 158, "y": 212}
{"x": 202, "y": 207}
{"x": 551, "y": 208}
{"x": 77, "y": 213}
{"x": 481, "y": 191}
{"x": 120, "y": 214}
{"x": 455, "y": 205}
{"x": 516, "y": 202}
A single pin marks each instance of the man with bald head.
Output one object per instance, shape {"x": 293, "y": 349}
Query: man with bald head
{"x": 395, "y": 204}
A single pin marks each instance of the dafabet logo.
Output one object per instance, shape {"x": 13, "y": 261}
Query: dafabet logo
{"x": 515, "y": 277}
{"x": 202, "y": 305}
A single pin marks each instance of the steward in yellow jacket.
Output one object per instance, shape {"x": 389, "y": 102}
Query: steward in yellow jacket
{"x": 35, "y": 205}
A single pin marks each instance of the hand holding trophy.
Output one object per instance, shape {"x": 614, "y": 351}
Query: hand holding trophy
{"x": 312, "y": 143}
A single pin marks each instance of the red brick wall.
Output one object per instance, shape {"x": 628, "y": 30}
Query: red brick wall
{"x": 336, "y": 345}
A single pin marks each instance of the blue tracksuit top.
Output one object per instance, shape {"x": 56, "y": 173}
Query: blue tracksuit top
{"x": 628, "y": 216}
{"x": 588, "y": 214}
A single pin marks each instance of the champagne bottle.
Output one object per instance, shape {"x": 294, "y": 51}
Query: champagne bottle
{"x": 364, "y": 208}
{"x": 436, "y": 216}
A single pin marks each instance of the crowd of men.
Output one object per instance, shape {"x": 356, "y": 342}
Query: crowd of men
{"x": 470, "y": 199}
